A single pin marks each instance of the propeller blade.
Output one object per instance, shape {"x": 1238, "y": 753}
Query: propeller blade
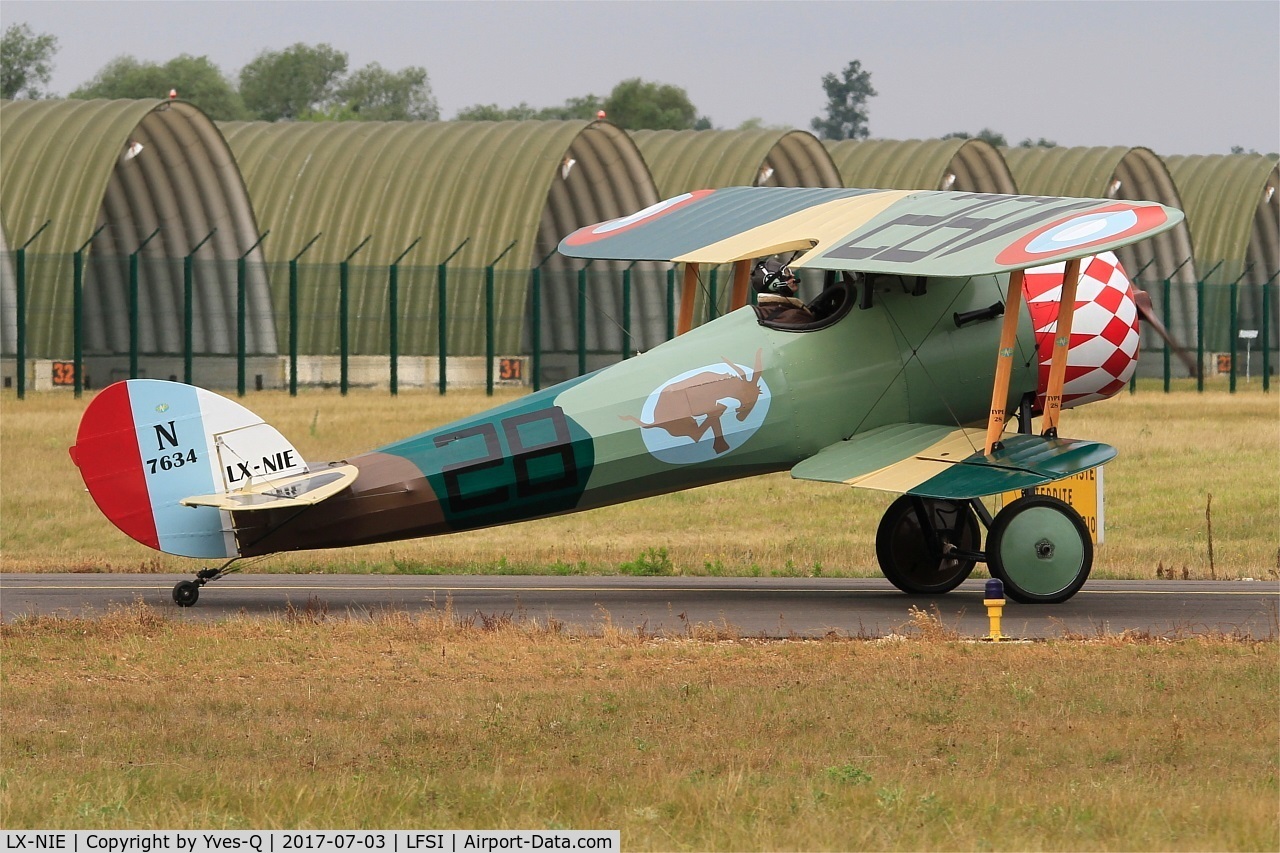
{"x": 1148, "y": 314}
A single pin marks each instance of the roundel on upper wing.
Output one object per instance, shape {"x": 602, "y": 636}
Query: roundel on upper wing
{"x": 1082, "y": 231}
{"x": 616, "y": 226}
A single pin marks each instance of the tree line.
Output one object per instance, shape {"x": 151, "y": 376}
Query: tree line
{"x": 314, "y": 83}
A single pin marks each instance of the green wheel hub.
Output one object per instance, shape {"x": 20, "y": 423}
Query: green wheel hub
{"x": 1041, "y": 549}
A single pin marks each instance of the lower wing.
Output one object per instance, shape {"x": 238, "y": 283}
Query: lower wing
{"x": 935, "y": 461}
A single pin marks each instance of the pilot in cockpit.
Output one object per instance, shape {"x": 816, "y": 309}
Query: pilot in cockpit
{"x": 775, "y": 286}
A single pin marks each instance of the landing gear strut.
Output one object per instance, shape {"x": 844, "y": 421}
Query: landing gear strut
{"x": 1038, "y": 546}
{"x": 187, "y": 593}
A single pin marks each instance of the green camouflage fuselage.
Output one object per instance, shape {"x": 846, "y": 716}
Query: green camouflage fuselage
{"x": 729, "y": 399}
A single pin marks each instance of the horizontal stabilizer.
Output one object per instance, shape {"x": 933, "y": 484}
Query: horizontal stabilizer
{"x": 296, "y": 491}
{"x": 143, "y": 445}
{"x": 935, "y": 461}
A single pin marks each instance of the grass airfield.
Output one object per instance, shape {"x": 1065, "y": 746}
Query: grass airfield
{"x": 699, "y": 742}
{"x": 704, "y": 741}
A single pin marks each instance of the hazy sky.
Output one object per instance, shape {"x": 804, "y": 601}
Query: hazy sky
{"x": 1177, "y": 77}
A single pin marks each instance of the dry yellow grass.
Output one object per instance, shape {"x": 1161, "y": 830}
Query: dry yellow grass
{"x": 135, "y": 720}
{"x": 1175, "y": 451}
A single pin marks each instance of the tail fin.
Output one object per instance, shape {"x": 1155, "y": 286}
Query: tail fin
{"x": 144, "y": 445}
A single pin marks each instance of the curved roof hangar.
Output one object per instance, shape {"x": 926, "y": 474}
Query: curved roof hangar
{"x": 470, "y": 193}
{"x": 965, "y": 165}
{"x": 125, "y": 170}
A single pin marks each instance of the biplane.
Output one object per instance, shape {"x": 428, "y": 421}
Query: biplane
{"x": 943, "y": 319}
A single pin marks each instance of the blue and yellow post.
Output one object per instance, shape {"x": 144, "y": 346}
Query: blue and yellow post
{"x": 994, "y": 600}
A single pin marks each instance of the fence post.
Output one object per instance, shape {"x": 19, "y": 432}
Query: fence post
{"x": 293, "y": 316}
{"x": 1266, "y": 333}
{"x": 21, "y": 298}
{"x": 1135, "y": 279}
{"x": 536, "y": 331}
{"x": 242, "y": 290}
{"x": 1200, "y": 335}
{"x": 188, "y": 313}
{"x": 77, "y": 312}
{"x": 442, "y": 291}
{"x": 626, "y": 311}
{"x": 1165, "y": 307}
{"x": 133, "y": 305}
{"x": 713, "y": 296}
{"x": 344, "y": 298}
{"x": 582, "y": 318}
{"x": 671, "y": 303}
{"x": 1200, "y": 285}
{"x": 488, "y": 319}
{"x": 1234, "y": 314}
{"x": 393, "y": 318}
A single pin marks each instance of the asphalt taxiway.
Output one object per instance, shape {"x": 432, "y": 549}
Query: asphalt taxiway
{"x": 757, "y": 607}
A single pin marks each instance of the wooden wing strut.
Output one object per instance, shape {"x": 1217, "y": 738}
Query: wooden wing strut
{"x": 688, "y": 291}
{"x": 1004, "y": 361}
{"x": 1061, "y": 344}
{"x": 741, "y": 284}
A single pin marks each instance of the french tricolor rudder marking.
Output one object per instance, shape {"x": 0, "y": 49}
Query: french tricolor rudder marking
{"x": 106, "y": 451}
{"x": 144, "y": 446}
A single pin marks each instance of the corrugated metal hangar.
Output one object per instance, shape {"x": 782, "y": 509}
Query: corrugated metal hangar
{"x": 158, "y": 202}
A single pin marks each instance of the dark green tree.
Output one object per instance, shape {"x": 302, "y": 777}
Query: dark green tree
{"x": 493, "y": 112}
{"x": 575, "y": 108}
{"x": 375, "y": 94}
{"x": 294, "y": 83}
{"x": 195, "y": 78}
{"x": 26, "y": 62}
{"x": 986, "y": 135}
{"x": 584, "y": 108}
{"x": 635, "y": 104}
{"x": 847, "y": 97}
{"x": 757, "y": 123}
{"x": 999, "y": 141}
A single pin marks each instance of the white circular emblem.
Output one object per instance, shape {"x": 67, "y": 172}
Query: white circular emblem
{"x": 704, "y": 413}
{"x": 1083, "y": 229}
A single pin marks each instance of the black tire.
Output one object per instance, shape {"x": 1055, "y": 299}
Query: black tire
{"x": 1041, "y": 549}
{"x": 186, "y": 593}
{"x": 903, "y": 548}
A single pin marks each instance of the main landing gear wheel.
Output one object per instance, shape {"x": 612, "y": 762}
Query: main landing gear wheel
{"x": 1041, "y": 548}
{"x": 186, "y": 593}
{"x": 918, "y": 561}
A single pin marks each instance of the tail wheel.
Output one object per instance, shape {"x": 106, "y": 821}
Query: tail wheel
{"x": 918, "y": 562}
{"x": 1041, "y": 549}
{"x": 186, "y": 593}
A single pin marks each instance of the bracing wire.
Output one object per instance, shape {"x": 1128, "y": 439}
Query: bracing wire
{"x": 915, "y": 356}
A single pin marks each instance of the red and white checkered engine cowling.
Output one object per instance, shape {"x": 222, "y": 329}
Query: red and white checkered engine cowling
{"x": 1104, "y": 333}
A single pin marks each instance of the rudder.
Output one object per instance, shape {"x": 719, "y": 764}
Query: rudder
{"x": 143, "y": 445}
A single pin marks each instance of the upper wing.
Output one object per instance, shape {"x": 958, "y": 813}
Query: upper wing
{"x": 934, "y": 461}
{"x": 930, "y": 233}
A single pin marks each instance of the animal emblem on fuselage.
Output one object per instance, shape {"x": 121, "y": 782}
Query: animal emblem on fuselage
{"x": 697, "y": 404}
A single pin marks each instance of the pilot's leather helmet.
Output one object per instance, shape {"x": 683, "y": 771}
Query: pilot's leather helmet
{"x": 771, "y": 275}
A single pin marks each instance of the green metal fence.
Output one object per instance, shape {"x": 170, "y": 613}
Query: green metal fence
{"x": 206, "y": 321}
